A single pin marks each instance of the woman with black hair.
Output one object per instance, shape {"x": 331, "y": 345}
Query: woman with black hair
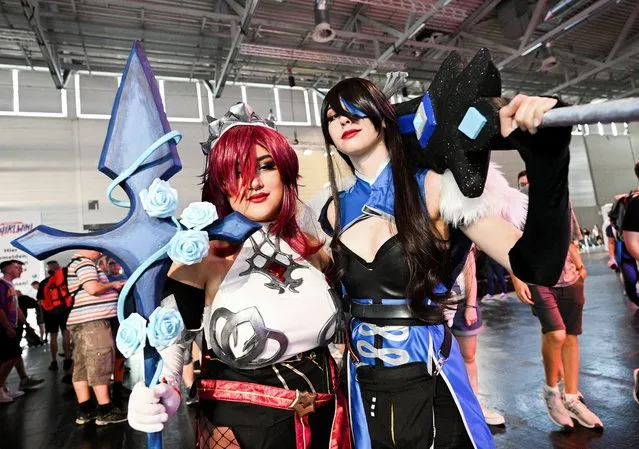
{"x": 397, "y": 238}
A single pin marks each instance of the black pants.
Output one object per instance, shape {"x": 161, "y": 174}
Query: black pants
{"x": 450, "y": 431}
{"x": 405, "y": 406}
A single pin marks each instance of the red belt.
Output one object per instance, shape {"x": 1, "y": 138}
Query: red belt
{"x": 300, "y": 402}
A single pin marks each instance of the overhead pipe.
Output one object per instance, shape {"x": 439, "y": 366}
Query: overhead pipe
{"x": 322, "y": 32}
{"x": 241, "y": 32}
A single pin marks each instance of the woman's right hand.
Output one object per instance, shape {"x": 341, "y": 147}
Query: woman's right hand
{"x": 151, "y": 408}
{"x": 470, "y": 315}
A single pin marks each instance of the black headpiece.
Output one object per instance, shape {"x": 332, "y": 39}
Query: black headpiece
{"x": 456, "y": 122}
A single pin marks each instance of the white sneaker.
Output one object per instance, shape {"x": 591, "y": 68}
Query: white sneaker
{"x": 635, "y": 390}
{"x": 486, "y": 297}
{"x": 492, "y": 417}
{"x": 4, "y": 397}
{"x": 579, "y": 411}
{"x": 555, "y": 406}
{"x": 15, "y": 393}
{"x": 562, "y": 388}
{"x": 504, "y": 297}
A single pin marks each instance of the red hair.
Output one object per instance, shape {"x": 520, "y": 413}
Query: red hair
{"x": 233, "y": 156}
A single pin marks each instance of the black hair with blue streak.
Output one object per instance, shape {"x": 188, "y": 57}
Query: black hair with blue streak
{"x": 424, "y": 247}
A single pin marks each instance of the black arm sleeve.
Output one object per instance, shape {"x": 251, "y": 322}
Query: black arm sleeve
{"x": 190, "y": 301}
{"x": 539, "y": 255}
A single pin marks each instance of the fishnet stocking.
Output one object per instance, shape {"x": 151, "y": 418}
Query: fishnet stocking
{"x": 210, "y": 437}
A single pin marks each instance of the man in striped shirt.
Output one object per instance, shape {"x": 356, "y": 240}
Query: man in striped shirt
{"x": 94, "y": 304}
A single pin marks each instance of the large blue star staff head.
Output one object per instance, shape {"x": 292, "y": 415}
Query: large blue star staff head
{"x": 139, "y": 147}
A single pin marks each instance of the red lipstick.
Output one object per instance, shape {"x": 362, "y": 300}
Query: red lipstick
{"x": 350, "y": 133}
{"x": 258, "y": 197}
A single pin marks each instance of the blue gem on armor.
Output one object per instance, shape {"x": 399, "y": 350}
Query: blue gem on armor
{"x": 424, "y": 121}
{"x": 472, "y": 123}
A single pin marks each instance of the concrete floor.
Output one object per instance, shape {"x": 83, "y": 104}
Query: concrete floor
{"x": 510, "y": 370}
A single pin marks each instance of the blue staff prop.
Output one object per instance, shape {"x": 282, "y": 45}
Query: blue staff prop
{"x": 139, "y": 148}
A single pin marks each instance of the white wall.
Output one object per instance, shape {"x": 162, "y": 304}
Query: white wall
{"x": 50, "y": 163}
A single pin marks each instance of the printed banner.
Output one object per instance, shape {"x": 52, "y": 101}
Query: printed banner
{"x": 12, "y": 225}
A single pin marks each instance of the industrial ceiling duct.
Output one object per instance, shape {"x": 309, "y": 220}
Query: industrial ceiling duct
{"x": 323, "y": 32}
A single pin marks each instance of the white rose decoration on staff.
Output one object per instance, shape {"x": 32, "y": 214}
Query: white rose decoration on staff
{"x": 165, "y": 326}
{"x": 131, "y": 335}
{"x": 189, "y": 247}
{"x": 160, "y": 200}
{"x": 198, "y": 215}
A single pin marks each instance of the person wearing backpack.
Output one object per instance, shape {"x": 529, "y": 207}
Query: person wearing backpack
{"x": 630, "y": 232}
{"x": 53, "y": 295}
{"x": 625, "y": 260}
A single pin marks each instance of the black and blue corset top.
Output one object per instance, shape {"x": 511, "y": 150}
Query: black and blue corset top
{"x": 385, "y": 277}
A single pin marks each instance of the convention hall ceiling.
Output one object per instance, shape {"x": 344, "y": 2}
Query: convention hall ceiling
{"x": 581, "y": 49}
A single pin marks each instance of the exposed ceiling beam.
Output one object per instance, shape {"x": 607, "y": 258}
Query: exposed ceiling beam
{"x": 412, "y": 31}
{"x": 470, "y": 22}
{"x": 237, "y": 9}
{"x": 496, "y": 45}
{"x": 478, "y": 15}
{"x": 31, "y": 13}
{"x": 487, "y": 42}
{"x": 410, "y": 43}
{"x": 380, "y": 26}
{"x": 630, "y": 93}
{"x": 630, "y": 53}
{"x": 559, "y": 29}
{"x": 241, "y": 32}
{"x": 534, "y": 21}
{"x": 577, "y": 57}
{"x": 349, "y": 26}
{"x": 77, "y": 23}
{"x": 624, "y": 33}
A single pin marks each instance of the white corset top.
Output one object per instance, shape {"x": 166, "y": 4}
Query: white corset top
{"x": 272, "y": 305}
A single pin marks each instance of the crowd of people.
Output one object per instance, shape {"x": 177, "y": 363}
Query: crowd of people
{"x": 76, "y": 303}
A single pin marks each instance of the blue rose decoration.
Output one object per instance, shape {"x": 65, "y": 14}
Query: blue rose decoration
{"x": 165, "y": 326}
{"x": 189, "y": 247}
{"x": 198, "y": 215}
{"x": 131, "y": 335}
{"x": 160, "y": 200}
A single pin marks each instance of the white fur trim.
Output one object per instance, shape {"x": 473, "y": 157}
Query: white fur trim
{"x": 498, "y": 199}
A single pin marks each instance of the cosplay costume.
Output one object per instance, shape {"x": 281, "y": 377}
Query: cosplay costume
{"x": 391, "y": 350}
{"x": 268, "y": 379}
{"x": 393, "y": 354}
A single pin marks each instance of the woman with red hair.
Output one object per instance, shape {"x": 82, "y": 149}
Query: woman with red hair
{"x": 267, "y": 312}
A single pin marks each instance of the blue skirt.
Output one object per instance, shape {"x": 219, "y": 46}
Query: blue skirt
{"x": 406, "y": 344}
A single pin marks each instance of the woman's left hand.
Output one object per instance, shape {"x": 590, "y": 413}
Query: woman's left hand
{"x": 470, "y": 315}
{"x": 524, "y": 112}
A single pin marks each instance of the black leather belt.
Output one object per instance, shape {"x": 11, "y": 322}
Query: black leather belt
{"x": 382, "y": 311}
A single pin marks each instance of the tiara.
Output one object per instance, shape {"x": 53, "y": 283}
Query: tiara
{"x": 238, "y": 114}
